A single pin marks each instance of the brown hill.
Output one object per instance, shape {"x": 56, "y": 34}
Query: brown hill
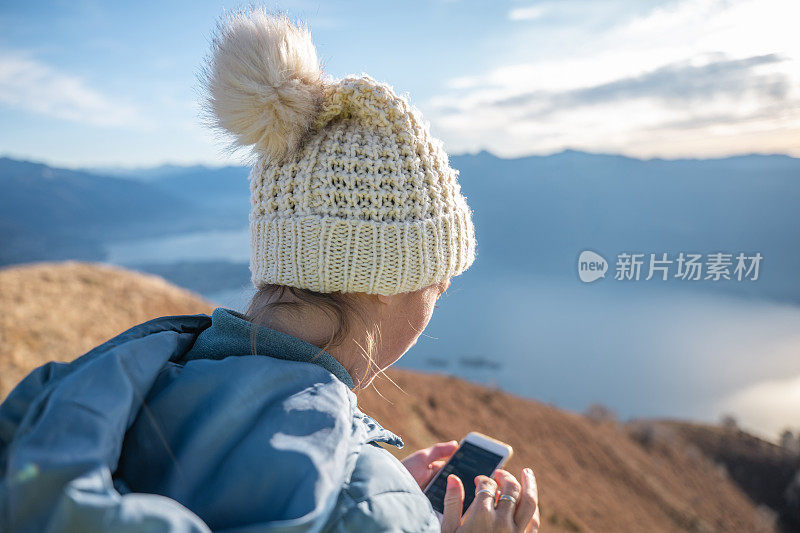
{"x": 592, "y": 475}
{"x": 56, "y": 311}
{"x": 763, "y": 470}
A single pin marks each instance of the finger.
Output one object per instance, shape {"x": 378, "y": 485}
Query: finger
{"x": 433, "y": 468}
{"x": 528, "y": 506}
{"x": 436, "y": 466}
{"x": 484, "y": 502}
{"x": 453, "y": 504}
{"x": 415, "y": 461}
{"x": 442, "y": 450}
{"x": 509, "y": 487}
{"x": 535, "y": 524}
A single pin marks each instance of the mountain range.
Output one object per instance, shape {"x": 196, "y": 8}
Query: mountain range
{"x": 54, "y": 213}
{"x": 534, "y": 215}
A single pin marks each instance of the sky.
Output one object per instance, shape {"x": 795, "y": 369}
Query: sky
{"x": 115, "y": 84}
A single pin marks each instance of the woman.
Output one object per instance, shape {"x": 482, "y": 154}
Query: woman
{"x": 249, "y": 422}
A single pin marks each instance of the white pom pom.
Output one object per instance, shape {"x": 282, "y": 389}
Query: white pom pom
{"x": 263, "y": 81}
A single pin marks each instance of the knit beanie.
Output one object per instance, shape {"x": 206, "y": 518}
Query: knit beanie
{"x": 349, "y": 190}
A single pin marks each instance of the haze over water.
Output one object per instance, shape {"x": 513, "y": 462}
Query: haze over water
{"x": 641, "y": 350}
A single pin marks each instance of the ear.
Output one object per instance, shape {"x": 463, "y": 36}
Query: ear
{"x": 385, "y": 299}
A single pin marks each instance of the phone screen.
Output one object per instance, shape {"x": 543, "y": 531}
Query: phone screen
{"x": 468, "y": 461}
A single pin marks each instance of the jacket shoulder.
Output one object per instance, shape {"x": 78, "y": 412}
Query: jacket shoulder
{"x": 76, "y": 414}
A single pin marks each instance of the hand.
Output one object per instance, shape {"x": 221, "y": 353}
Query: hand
{"x": 488, "y": 513}
{"x": 424, "y": 464}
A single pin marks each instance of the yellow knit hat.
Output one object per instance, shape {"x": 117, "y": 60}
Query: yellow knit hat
{"x": 349, "y": 191}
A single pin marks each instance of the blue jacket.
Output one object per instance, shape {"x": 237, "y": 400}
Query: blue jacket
{"x": 174, "y": 426}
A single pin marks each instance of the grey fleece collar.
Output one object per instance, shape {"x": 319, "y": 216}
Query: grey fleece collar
{"x": 229, "y": 334}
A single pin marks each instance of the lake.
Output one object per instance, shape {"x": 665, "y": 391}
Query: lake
{"x": 642, "y": 351}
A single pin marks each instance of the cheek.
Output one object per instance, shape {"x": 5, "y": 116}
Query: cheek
{"x": 423, "y": 311}
{"x": 412, "y": 319}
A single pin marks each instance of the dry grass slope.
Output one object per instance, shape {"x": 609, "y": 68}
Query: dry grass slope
{"x": 593, "y": 476}
{"x": 763, "y": 470}
{"x": 57, "y": 311}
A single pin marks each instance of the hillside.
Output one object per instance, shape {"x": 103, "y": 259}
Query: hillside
{"x": 56, "y": 311}
{"x": 49, "y": 213}
{"x": 47, "y": 199}
{"x": 223, "y": 188}
{"x": 592, "y": 475}
{"x": 762, "y": 469}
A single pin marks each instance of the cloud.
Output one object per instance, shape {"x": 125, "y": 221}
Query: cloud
{"x": 526, "y": 13}
{"x": 686, "y": 78}
{"x": 681, "y": 84}
{"x": 731, "y": 118}
{"x": 33, "y": 86}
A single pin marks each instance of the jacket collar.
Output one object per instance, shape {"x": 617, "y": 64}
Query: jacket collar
{"x": 230, "y": 334}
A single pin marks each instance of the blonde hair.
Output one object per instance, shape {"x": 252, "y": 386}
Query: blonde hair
{"x": 342, "y": 308}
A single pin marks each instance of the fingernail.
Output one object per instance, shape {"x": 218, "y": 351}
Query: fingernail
{"x": 451, "y": 482}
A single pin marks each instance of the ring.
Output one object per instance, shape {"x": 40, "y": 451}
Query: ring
{"x": 487, "y": 491}
{"x": 508, "y": 497}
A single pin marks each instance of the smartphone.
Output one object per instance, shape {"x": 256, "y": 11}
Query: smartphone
{"x": 476, "y": 454}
